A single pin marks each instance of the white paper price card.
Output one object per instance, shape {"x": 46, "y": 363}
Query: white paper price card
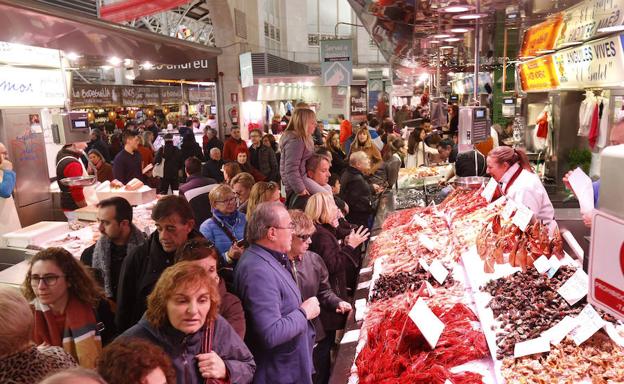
{"x": 427, "y": 322}
{"x": 377, "y": 265}
{"x": 360, "y": 309}
{"x": 554, "y": 265}
{"x": 419, "y": 221}
{"x": 365, "y": 270}
{"x": 575, "y": 288}
{"x": 350, "y": 337}
{"x": 364, "y": 284}
{"x": 589, "y": 322}
{"x": 427, "y": 242}
{"x": 423, "y": 263}
{"x": 509, "y": 209}
{"x": 438, "y": 271}
{"x": 523, "y": 216}
{"x": 430, "y": 288}
{"x": 489, "y": 190}
{"x": 559, "y": 331}
{"x": 541, "y": 264}
{"x": 531, "y": 347}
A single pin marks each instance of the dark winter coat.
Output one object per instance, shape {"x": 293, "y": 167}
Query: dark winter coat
{"x": 267, "y": 162}
{"x": 359, "y": 195}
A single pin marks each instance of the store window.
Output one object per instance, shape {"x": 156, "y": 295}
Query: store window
{"x": 272, "y": 35}
{"x": 323, "y": 17}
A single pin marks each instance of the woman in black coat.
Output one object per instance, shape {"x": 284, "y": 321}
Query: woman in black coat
{"x": 339, "y": 158}
{"x": 356, "y": 191}
{"x": 173, "y": 165}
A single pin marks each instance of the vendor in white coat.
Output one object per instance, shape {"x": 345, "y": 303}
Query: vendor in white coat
{"x": 511, "y": 169}
{"x": 418, "y": 151}
{"x": 10, "y": 221}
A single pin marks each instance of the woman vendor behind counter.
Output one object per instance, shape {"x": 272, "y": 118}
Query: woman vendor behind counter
{"x": 511, "y": 169}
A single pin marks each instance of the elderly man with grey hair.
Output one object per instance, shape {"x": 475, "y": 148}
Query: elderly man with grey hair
{"x": 212, "y": 167}
{"x": 279, "y": 332}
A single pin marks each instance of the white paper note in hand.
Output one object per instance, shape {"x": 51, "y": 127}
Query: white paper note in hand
{"x": 583, "y": 189}
{"x": 531, "y": 347}
{"x": 427, "y": 322}
{"x": 575, "y": 288}
{"x": 438, "y": 271}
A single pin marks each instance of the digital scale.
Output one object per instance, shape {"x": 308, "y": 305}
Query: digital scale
{"x": 509, "y": 107}
{"x": 473, "y": 126}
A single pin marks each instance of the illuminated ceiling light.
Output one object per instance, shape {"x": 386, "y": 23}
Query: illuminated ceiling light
{"x": 281, "y": 83}
{"x": 447, "y": 47}
{"x": 613, "y": 28}
{"x": 128, "y": 62}
{"x": 73, "y": 56}
{"x": 452, "y": 39}
{"x": 441, "y": 36}
{"x": 451, "y": 73}
{"x": 456, "y": 8}
{"x": 130, "y": 76}
{"x": 308, "y": 83}
{"x": 424, "y": 77}
{"x": 114, "y": 61}
{"x": 147, "y": 65}
{"x": 434, "y": 41}
{"x": 106, "y": 67}
{"x": 460, "y": 30}
{"x": 470, "y": 16}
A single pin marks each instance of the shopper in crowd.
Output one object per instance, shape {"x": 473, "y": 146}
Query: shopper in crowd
{"x": 210, "y": 141}
{"x": 269, "y": 141}
{"x": 143, "y": 266}
{"x": 135, "y": 361}
{"x": 357, "y": 192}
{"x": 279, "y": 332}
{"x": 345, "y": 129}
{"x": 313, "y": 281}
{"x": 115, "y": 144}
{"x": 401, "y": 115}
{"x": 21, "y": 361}
{"x": 151, "y": 126}
{"x": 75, "y": 376}
{"x": 233, "y": 145}
{"x": 203, "y": 252}
{"x": 296, "y": 146}
{"x": 418, "y": 152}
{"x": 182, "y": 318}
{"x": 172, "y": 157}
{"x": 373, "y": 125}
{"x": 190, "y": 148}
{"x": 230, "y": 170}
{"x": 242, "y": 159}
{"x": 339, "y": 158}
{"x": 103, "y": 169}
{"x": 118, "y": 237}
{"x": 453, "y": 124}
{"x": 364, "y": 143}
{"x": 127, "y": 163}
{"x": 68, "y": 164}
{"x": 317, "y": 135}
{"x": 194, "y": 178}
{"x": 8, "y": 211}
{"x": 212, "y": 167}
{"x": 226, "y": 227}
{"x": 70, "y": 309}
{"x": 262, "y": 192}
{"x": 99, "y": 144}
{"x": 506, "y": 136}
{"x": 262, "y": 157}
{"x": 241, "y": 185}
{"x": 317, "y": 169}
{"x": 447, "y": 151}
{"x": 511, "y": 169}
{"x": 146, "y": 149}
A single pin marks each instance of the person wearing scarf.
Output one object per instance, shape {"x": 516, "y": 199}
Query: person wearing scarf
{"x": 70, "y": 309}
{"x": 182, "y": 318}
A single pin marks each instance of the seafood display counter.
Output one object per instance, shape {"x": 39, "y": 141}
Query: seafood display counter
{"x": 509, "y": 304}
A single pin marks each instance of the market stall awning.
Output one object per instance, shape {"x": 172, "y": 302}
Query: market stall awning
{"x": 30, "y": 23}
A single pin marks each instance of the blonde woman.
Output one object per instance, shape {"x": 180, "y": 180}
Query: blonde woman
{"x": 296, "y": 146}
{"x": 364, "y": 143}
{"x": 261, "y": 192}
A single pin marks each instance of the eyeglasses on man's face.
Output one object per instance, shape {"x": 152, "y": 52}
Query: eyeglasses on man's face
{"x": 48, "y": 280}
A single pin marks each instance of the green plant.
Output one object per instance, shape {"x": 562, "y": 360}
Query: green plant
{"x": 579, "y": 158}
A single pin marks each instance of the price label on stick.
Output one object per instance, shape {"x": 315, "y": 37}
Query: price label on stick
{"x": 523, "y": 217}
{"x": 423, "y": 263}
{"x": 554, "y": 265}
{"x": 489, "y": 190}
{"x": 427, "y": 322}
{"x": 589, "y": 323}
{"x": 427, "y": 242}
{"x": 561, "y": 330}
{"x": 509, "y": 209}
{"x": 531, "y": 347}
{"x": 438, "y": 271}
{"x": 541, "y": 264}
{"x": 575, "y": 288}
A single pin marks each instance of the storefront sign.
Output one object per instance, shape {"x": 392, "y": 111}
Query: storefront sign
{"x": 24, "y": 87}
{"x": 246, "y": 69}
{"x": 538, "y": 75}
{"x": 171, "y": 95}
{"x": 19, "y": 54}
{"x": 89, "y": 95}
{"x": 206, "y": 95}
{"x": 357, "y": 103}
{"x": 336, "y": 65}
{"x": 582, "y": 21}
{"x": 596, "y": 64}
{"x": 140, "y": 96}
{"x": 540, "y": 37}
{"x": 606, "y": 264}
{"x": 200, "y": 70}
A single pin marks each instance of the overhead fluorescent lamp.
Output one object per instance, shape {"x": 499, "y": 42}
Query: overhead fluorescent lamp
{"x": 457, "y": 8}
{"x": 434, "y": 41}
{"x": 452, "y": 39}
{"x": 114, "y": 60}
{"x": 73, "y": 56}
{"x": 470, "y": 16}
{"x": 447, "y": 47}
{"x": 459, "y": 30}
{"x": 613, "y": 28}
{"x": 441, "y": 36}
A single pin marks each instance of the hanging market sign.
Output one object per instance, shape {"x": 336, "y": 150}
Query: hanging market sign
{"x": 206, "y": 95}
{"x": 94, "y": 95}
{"x": 541, "y": 37}
{"x": 200, "y": 70}
{"x": 19, "y": 54}
{"x": 171, "y": 95}
{"x": 599, "y": 63}
{"x": 538, "y": 74}
{"x": 336, "y": 65}
{"x": 357, "y": 103}
{"x": 140, "y": 96}
{"x": 25, "y": 87}
{"x": 582, "y": 21}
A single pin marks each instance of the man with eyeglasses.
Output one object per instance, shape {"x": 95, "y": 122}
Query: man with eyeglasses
{"x": 262, "y": 157}
{"x": 144, "y": 265}
{"x": 279, "y": 332}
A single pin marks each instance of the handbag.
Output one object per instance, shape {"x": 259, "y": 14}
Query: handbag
{"x": 207, "y": 348}
{"x": 159, "y": 169}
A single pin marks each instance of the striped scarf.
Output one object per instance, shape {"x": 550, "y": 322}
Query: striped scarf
{"x": 80, "y": 337}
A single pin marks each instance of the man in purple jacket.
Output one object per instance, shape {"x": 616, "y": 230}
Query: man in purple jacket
{"x": 279, "y": 332}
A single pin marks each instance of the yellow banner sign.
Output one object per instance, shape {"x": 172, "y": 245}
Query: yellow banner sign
{"x": 541, "y": 37}
{"x": 538, "y": 75}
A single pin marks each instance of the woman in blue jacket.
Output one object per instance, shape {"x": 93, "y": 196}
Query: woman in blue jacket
{"x": 226, "y": 226}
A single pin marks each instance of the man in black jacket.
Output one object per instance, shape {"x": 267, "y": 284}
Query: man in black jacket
{"x": 262, "y": 157}
{"x": 96, "y": 142}
{"x": 212, "y": 167}
{"x": 194, "y": 178}
{"x": 143, "y": 266}
{"x": 357, "y": 192}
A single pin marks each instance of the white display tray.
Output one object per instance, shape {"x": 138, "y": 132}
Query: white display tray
{"x": 143, "y": 195}
{"x": 35, "y": 234}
